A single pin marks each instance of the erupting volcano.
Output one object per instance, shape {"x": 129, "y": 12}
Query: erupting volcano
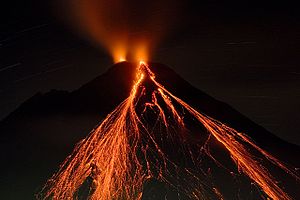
{"x": 155, "y": 138}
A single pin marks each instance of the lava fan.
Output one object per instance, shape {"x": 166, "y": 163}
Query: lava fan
{"x": 154, "y": 140}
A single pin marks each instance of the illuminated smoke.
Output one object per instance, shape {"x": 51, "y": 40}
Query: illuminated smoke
{"x": 127, "y": 29}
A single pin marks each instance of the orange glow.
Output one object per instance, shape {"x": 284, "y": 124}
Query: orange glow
{"x": 119, "y": 54}
{"x": 142, "y": 62}
{"x": 140, "y": 52}
{"x": 121, "y": 59}
{"x": 114, "y": 26}
{"x": 111, "y": 154}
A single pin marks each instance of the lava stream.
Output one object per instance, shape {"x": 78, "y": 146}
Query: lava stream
{"x": 121, "y": 154}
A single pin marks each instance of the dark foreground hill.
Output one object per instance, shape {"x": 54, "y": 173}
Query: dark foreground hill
{"x": 37, "y": 136}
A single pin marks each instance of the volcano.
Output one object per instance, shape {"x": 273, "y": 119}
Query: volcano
{"x": 43, "y": 131}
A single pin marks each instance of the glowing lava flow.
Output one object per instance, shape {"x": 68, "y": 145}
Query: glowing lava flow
{"x": 121, "y": 154}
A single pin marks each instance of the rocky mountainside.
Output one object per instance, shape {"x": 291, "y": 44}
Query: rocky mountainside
{"x": 37, "y": 136}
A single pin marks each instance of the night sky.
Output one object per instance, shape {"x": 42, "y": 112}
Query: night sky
{"x": 245, "y": 53}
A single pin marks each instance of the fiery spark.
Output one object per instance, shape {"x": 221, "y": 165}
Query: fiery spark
{"x": 123, "y": 153}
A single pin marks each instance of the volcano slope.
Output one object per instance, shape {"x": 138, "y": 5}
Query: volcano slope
{"x": 43, "y": 131}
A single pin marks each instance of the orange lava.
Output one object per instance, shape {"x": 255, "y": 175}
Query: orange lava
{"x": 117, "y": 159}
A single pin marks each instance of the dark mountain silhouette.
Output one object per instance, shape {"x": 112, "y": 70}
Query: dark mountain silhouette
{"x": 37, "y": 136}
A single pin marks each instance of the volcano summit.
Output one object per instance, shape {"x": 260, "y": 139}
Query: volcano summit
{"x": 163, "y": 139}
